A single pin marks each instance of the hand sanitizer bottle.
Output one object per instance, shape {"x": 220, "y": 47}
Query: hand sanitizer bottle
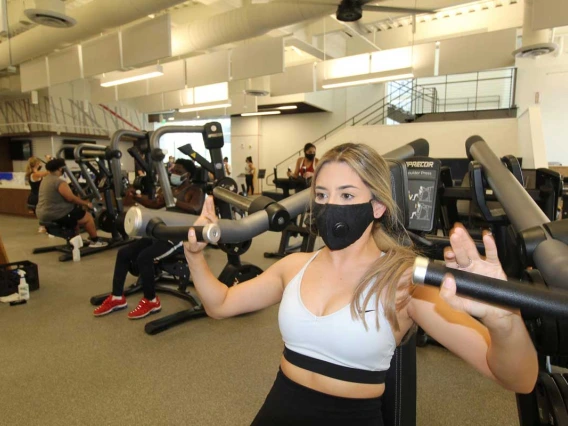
{"x": 77, "y": 243}
{"x": 23, "y": 288}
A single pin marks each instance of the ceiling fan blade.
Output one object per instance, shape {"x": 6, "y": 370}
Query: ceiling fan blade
{"x": 357, "y": 27}
{"x": 375, "y": 8}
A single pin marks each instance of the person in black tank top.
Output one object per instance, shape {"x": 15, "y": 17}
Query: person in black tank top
{"x": 141, "y": 254}
{"x": 34, "y": 175}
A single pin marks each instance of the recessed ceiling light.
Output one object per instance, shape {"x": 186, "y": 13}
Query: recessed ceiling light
{"x": 205, "y": 107}
{"x": 252, "y": 114}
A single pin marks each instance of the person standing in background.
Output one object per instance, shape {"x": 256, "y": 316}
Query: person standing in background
{"x": 171, "y": 164}
{"x": 227, "y": 166}
{"x": 34, "y": 175}
{"x": 249, "y": 175}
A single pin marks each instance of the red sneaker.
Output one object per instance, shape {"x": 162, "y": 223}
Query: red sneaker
{"x": 109, "y": 305}
{"x": 145, "y": 308}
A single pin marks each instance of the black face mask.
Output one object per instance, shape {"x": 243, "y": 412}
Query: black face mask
{"x": 311, "y": 156}
{"x": 340, "y": 226}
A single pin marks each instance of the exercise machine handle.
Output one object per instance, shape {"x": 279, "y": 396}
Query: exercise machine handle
{"x": 209, "y": 233}
{"x": 417, "y": 148}
{"x": 521, "y": 209}
{"x": 531, "y": 300}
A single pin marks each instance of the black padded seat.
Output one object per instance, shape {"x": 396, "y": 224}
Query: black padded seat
{"x": 58, "y": 230}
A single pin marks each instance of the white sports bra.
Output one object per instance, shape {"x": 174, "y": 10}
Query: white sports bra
{"x": 335, "y": 345}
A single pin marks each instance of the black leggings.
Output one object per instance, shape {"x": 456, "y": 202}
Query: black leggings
{"x": 141, "y": 253}
{"x": 248, "y": 179}
{"x": 289, "y": 403}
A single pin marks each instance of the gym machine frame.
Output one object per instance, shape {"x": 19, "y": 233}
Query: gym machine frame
{"x": 400, "y": 395}
{"x": 543, "y": 297}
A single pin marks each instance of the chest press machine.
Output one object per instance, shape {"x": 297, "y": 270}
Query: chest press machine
{"x": 400, "y": 396}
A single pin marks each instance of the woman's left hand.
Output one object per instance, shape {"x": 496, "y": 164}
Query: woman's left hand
{"x": 463, "y": 255}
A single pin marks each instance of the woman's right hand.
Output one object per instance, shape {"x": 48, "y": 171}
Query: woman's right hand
{"x": 208, "y": 215}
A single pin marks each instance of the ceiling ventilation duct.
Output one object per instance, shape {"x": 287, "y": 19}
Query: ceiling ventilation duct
{"x": 92, "y": 19}
{"x": 535, "y": 43}
{"x": 50, "y": 13}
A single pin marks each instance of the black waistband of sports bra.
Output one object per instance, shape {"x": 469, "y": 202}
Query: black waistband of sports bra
{"x": 334, "y": 371}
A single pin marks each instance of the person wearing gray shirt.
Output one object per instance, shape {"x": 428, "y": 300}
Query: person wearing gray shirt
{"x": 58, "y": 204}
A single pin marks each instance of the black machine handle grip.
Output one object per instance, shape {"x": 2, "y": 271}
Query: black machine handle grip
{"x": 210, "y": 233}
{"x": 531, "y": 300}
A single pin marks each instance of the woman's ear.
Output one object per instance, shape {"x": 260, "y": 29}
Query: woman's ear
{"x": 378, "y": 209}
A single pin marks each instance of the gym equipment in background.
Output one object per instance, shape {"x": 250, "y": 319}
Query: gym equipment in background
{"x": 301, "y": 226}
{"x": 92, "y": 160}
{"x": 532, "y": 248}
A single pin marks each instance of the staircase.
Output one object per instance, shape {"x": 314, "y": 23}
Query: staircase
{"x": 474, "y": 96}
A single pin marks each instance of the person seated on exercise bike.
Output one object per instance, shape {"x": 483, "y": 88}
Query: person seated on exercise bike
{"x": 57, "y": 203}
{"x": 145, "y": 251}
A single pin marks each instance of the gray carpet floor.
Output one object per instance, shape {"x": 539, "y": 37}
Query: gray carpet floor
{"x": 59, "y": 365}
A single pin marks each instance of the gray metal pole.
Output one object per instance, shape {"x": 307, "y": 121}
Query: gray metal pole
{"x": 115, "y": 165}
{"x": 230, "y": 197}
{"x": 419, "y": 147}
{"x": 521, "y": 209}
{"x": 70, "y": 175}
{"x": 90, "y": 150}
{"x": 551, "y": 258}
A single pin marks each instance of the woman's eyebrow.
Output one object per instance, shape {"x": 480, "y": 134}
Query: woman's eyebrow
{"x": 342, "y": 187}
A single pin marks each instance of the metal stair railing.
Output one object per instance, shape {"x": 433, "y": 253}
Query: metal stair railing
{"x": 370, "y": 113}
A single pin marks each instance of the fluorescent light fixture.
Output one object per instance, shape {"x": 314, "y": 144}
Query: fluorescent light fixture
{"x": 252, "y": 114}
{"x": 171, "y": 118}
{"x": 205, "y": 107}
{"x": 297, "y": 51}
{"x": 391, "y": 60}
{"x": 211, "y": 93}
{"x": 287, "y": 107}
{"x": 122, "y": 77}
{"x": 347, "y": 66}
{"x": 379, "y": 77}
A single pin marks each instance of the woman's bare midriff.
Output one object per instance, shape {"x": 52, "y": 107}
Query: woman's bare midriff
{"x": 329, "y": 385}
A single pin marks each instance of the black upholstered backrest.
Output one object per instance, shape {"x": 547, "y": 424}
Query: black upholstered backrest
{"x": 399, "y": 399}
{"x": 399, "y": 186}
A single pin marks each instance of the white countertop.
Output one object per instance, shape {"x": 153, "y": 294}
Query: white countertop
{"x": 6, "y": 184}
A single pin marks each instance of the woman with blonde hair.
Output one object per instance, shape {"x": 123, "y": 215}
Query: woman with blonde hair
{"x": 34, "y": 175}
{"x": 345, "y": 309}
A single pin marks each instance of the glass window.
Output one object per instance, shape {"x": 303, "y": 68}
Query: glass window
{"x": 172, "y": 141}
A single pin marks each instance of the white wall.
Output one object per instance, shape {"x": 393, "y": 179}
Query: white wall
{"x": 531, "y": 138}
{"x": 544, "y": 82}
{"x": 271, "y": 139}
{"x": 447, "y": 139}
{"x": 245, "y": 142}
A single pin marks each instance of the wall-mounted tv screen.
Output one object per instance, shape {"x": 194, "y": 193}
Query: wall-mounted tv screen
{"x": 20, "y": 150}
{"x": 68, "y": 152}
